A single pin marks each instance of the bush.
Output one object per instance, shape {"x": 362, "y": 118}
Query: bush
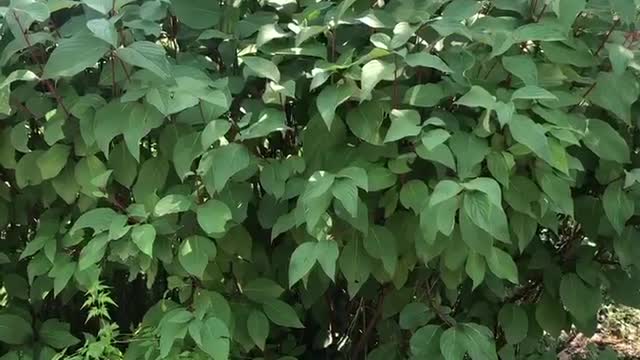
{"x": 281, "y": 179}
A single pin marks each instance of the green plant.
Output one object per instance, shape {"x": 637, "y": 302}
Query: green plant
{"x": 313, "y": 179}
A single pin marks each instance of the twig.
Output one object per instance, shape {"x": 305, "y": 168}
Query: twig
{"x": 606, "y": 38}
{"x": 364, "y": 339}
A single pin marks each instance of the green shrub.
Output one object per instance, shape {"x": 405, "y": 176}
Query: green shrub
{"x": 313, "y": 179}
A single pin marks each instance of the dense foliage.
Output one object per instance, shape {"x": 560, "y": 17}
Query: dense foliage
{"x": 314, "y": 179}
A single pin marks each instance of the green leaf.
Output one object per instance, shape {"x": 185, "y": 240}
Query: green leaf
{"x": 477, "y": 97}
{"x": 500, "y": 165}
{"x": 627, "y": 10}
{"x": 14, "y": 330}
{"x": 53, "y": 161}
{"x": 531, "y": 135}
{"x": 558, "y": 192}
{"x": 102, "y": 6}
{"x": 144, "y": 236}
{"x": 617, "y": 206}
{"x": 532, "y": 92}
{"x": 269, "y": 120}
{"x": 228, "y": 161}
{"x": 434, "y": 138}
{"x": 522, "y": 67}
{"x": 444, "y": 190}
{"x": 302, "y": 261}
{"x": 540, "y": 31}
{"x": 514, "y": 322}
{"x": 372, "y": 73}
{"x": 485, "y": 214}
{"x": 194, "y": 254}
{"x": 365, "y": 122}
{"x": 146, "y": 55}
{"x": 262, "y": 289}
{"x": 213, "y": 216}
{"x": 355, "y": 265}
{"x": 606, "y": 142}
{"x": 281, "y": 313}
{"x": 258, "y": 327}
{"x": 197, "y": 14}
{"x": 428, "y": 95}
{"x": 414, "y": 315}
{"x": 581, "y": 300}
{"x": 568, "y": 10}
{"x": 215, "y": 339}
{"x": 327, "y": 255}
{"x": 381, "y": 244}
{"x": 105, "y": 30}
{"x": 262, "y": 67}
{"x": 550, "y": 315}
{"x": 346, "y": 192}
{"x": 615, "y": 93}
{"x": 451, "y": 344}
{"x": 404, "y": 123}
{"x": 97, "y": 219}
{"x": 172, "y": 204}
{"x": 502, "y": 265}
{"x": 475, "y": 268}
{"x": 427, "y": 60}
{"x": 426, "y": 341}
{"x": 414, "y": 195}
{"x": 330, "y": 98}
{"x": 57, "y": 334}
{"x": 74, "y": 54}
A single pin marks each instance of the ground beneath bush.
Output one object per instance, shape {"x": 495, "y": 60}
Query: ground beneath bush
{"x": 619, "y": 329}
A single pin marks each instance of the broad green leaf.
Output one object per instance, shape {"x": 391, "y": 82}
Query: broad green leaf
{"x": 502, "y": 265}
{"x": 302, "y": 261}
{"x": 345, "y": 191}
{"x": 551, "y": 315}
{"x": 258, "y": 327}
{"x": 523, "y": 67}
{"x": 74, "y": 55}
{"x": 213, "y": 216}
{"x": 615, "y": 93}
{"x": 194, "y": 254}
{"x": 197, "y": 14}
{"x": 568, "y": 10}
{"x": 476, "y": 269}
{"x": 327, "y": 255}
{"x": 444, "y": 190}
{"x": 531, "y": 135}
{"x": 365, "y": 121}
{"x": 514, "y": 322}
{"x": 606, "y": 142}
{"x": 425, "y": 341}
{"x": 381, "y": 244}
{"x": 14, "y": 330}
{"x": 414, "y": 315}
{"x": 485, "y": 214}
{"x": 434, "y": 138}
{"x": 373, "y": 72}
{"x": 57, "y": 334}
{"x": 105, "y": 30}
{"x": 404, "y": 123}
{"x": 97, "y": 219}
{"x": 581, "y": 300}
{"x": 330, "y": 98}
{"x": 144, "y": 236}
{"x": 172, "y": 204}
{"x": 269, "y": 120}
{"x": 262, "y": 289}
{"x": 627, "y": 10}
{"x": 414, "y": 195}
{"x": 540, "y": 31}
{"x": 477, "y": 97}
{"x": 52, "y": 161}
{"x": 451, "y": 344}
{"x": 146, "y": 55}
{"x": 428, "y": 95}
{"x": 227, "y": 161}
{"x": 262, "y": 67}
{"x": 215, "y": 339}
{"x": 617, "y": 206}
{"x": 102, "y": 6}
{"x": 532, "y": 92}
{"x": 281, "y": 313}
{"x": 355, "y": 265}
{"x": 425, "y": 59}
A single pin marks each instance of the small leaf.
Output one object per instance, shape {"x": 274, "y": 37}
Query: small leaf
{"x": 213, "y": 216}
{"x": 258, "y": 327}
{"x": 74, "y": 54}
{"x": 172, "y": 204}
{"x": 606, "y": 142}
{"x": 262, "y": 289}
{"x": 414, "y": 315}
{"x": 146, "y": 55}
{"x": 381, "y": 244}
{"x": 531, "y": 135}
{"x": 532, "y": 92}
{"x": 262, "y": 67}
{"x": 194, "y": 254}
{"x": 502, "y": 265}
{"x": 144, "y": 236}
{"x": 53, "y": 161}
{"x": 425, "y": 59}
{"x": 330, "y": 98}
{"x": 14, "y": 330}
{"x": 514, "y": 322}
{"x": 302, "y": 261}
{"x": 477, "y": 97}
{"x": 404, "y": 123}
{"x": 617, "y": 206}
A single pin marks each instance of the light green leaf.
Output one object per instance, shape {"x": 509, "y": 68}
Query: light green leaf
{"x": 302, "y": 260}
{"x": 281, "y": 313}
{"x": 581, "y": 300}
{"x": 330, "y": 98}
{"x": 194, "y": 254}
{"x": 428, "y": 95}
{"x": 104, "y": 29}
{"x": 97, "y": 219}
{"x": 270, "y": 120}
{"x": 477, "y": 97}
{"x": 372, "y": 73}
{"x": 215, "y": 339}
{"x": 475, "y": 268}
{"x": 523, "y": 67}
{"x": 540, "y": 31}
{"x": 365, "y": 122}
{"x": 502, "y": 265}
{"x": 627, "y": 10}
{"x": 262, "y": 289}
{"x": 615, "y": 93}
{"x": 53, "y": 161}
{"x": 444, "y": 190}
{"x": 74, "y": 54}
{"x": 414, "y": 195}
{"x": 425, "y": 59}
{"x": 434, "y": 138}
{"x": 57, "y": 334}
{"x": 146, "y": 55}
{"x": 532, "y": 92}
{"x": 531, "y": 135}
{"x": 606, "y": 142}
{"x": 227, "y": 161}
{"x": 102, "y": 6}
{"x": 426, "y": 342}
{"x": 346, "y": 192}
{"x": 327, "y": 255}
{"x": 213, "y": 216}
{"x": 404, "y": 123}
{"x": 262, "y": 67}
{"x": 258, "y": 328}
{"x": 172, "y": 204}
{"x": 144, "y": 236}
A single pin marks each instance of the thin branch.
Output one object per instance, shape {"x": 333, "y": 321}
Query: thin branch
{"x": 364, "y": 339}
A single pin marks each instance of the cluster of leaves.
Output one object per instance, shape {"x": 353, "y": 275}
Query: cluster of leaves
{"x": 310, "y": 179}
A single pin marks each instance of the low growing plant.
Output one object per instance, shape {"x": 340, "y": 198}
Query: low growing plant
{"x": 314, "y": 179}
